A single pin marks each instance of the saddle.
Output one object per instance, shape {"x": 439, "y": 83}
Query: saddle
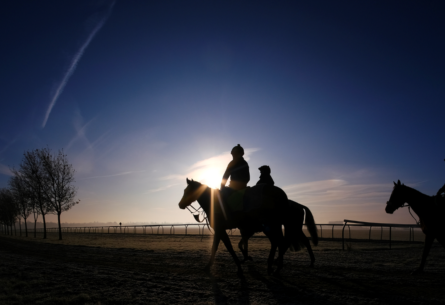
{"x": 248, "y": 201}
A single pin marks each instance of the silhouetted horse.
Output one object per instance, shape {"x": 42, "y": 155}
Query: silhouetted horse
{"x": 430, "y": 215}
{"x": 298, "y": 211}
{"x": 276, "y": 215}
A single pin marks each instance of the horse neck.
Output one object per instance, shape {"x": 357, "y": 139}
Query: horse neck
{"x": 418, "y": 201}
{"x": 204, "y": 200}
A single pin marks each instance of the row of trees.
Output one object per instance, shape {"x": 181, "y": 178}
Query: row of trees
{"x": 43, "y": 184}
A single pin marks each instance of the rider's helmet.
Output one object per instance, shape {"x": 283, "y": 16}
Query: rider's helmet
{"x": 265, "y": 169}
{"x": 238, "y": 150}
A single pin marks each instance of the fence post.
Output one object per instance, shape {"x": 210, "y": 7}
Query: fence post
{"x": 343, "y": 235}
{"x": 390, "y": 237}
{"x": 370, "y": 227}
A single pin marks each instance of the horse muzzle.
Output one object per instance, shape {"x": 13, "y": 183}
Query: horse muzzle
{"x": 389, "y": 208}
{"x": 182, "y": 205}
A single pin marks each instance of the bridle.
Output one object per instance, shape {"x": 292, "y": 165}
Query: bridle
{"x": 196, "y": 216}
{"x": 409, "y": 210}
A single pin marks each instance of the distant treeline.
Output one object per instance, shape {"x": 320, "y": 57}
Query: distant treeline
{"x": 41, "y": 185}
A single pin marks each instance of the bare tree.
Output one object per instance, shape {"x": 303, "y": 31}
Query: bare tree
{"x": 22, "y": 197}
{"x": 33, "y": 173}
{"x": 59, "y": 175}
{"x": 35, "y": 213}
{"x": 8, "y": 209}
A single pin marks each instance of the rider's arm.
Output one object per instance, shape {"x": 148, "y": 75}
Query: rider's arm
{"x": 226, "y": 176}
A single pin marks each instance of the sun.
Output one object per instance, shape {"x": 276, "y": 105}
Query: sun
{"x": 212, "y": 178}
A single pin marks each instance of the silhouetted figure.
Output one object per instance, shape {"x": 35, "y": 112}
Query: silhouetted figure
{"x": 237, "y": 170}
{"x": 265, "y": 177}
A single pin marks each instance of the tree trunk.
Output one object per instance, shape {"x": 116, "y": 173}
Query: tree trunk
{"x": 20, "y": 226}
{"x": 44, "y": 224}
{"x": 60, "y": 227}
{"x": 35, "y": 227}
{"x": 26, "y": 229}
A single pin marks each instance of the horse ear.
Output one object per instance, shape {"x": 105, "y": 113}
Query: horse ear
{"x": 188, "y": 181}
{"x": 398, "y": 182}
{"x": 395, "y": 183}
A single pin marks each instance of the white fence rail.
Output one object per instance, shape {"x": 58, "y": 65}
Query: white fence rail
{"x": 329, "y": 230}
{"x": 410, "y": 227}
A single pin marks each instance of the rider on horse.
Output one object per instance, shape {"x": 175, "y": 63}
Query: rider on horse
{"x": 237, "y": 170}
{"x": 265, "y": 177}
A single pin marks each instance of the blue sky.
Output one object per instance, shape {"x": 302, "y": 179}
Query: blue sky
{"x": 339, "y": 98}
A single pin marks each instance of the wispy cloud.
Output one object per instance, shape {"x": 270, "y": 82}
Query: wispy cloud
{"x": 338, "y": 192}
{"x": 80, "y": 131}
{"x": 75, "y": 61}
{"x": 205, "y": 170}
{"x": 9, "y": 143}
{"x": 160, "y": 189}
{"x": 114, "y": 175}
{"x": 5, "y": 170}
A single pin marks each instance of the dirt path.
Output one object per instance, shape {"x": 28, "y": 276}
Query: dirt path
{"x": 166, "y": 269}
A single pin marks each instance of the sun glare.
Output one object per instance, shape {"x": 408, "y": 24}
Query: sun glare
{"x": 212, "y": 178}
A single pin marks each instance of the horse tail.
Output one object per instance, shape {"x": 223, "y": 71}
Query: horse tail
{"x": 311, "y": 226}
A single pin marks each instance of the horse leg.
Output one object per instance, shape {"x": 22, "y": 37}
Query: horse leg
{"x": 226, "y": 240}
{"x": 216, "y": 240}
{"x": 275, "y": 236}
{"x": 243, "y": 245}
{"x": 429, "y": 239}
{"x": 240, "y": 246}
{"x": 284, "y": 243}
{"x": 306, "y": 242}
{"x": 273, "y": 250}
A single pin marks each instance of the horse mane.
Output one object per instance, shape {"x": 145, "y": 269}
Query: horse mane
{"x": 414, "y": 190}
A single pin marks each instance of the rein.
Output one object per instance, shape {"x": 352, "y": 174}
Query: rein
{"x": 196, "y": 216}
{"x": 409, "y": 210}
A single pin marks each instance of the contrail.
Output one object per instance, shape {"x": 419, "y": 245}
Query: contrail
{"x": 74, "y": 63}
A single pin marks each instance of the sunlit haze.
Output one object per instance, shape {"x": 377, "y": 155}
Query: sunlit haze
{"x": 340, "y": 99}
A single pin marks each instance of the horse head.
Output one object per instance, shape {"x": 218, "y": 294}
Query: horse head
{"x": 396, "y": 200}
{"x": 192, "y": 192}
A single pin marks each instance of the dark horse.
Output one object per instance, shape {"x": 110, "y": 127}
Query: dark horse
{"x": 220, "y": 220}
{"x": 430, "y": 215}
{"x": 298, "y": 211}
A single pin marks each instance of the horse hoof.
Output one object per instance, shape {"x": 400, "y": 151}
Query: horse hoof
{"x": 269, "y": 271}
{"x": 240, "y": 273}
{"x": 249, "y": 258}
{"x": 417, "y": 272}
{"x": 312, "y": 265}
